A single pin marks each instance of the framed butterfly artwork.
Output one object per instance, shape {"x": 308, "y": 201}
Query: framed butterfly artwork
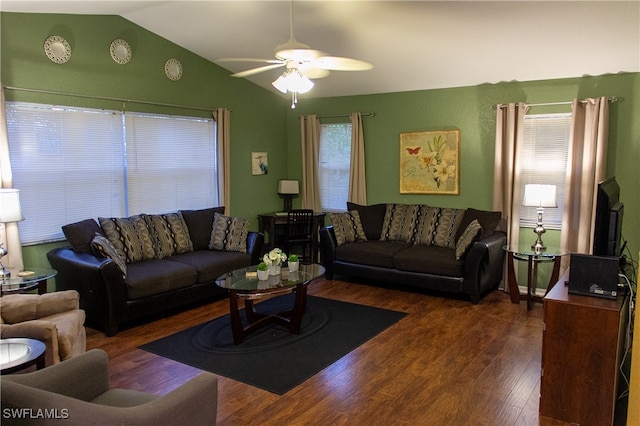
{"x": 430, "y": 162}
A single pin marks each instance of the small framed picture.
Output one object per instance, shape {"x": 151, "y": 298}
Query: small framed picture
{"x": 259, "y": 163}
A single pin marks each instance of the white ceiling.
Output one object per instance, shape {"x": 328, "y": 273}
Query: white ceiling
{"x": 413, "y": 45}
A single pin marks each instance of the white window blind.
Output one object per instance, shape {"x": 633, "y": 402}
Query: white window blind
{"x": 544, "y": 161}
{"x": 72, "y": 164}
{"x": 335, "y": 164}
{"x": 67, "y": 164}
{"x": 171, "y": 163}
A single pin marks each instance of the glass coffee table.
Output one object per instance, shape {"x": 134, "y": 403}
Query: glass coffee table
{"x": 244, "y": 284}
{"x": 21, "y": 281}
{"x": 18, "y": 354}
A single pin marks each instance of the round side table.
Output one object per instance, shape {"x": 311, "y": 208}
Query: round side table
{"x": 18, "y": 282}
{"x": 18, "y": 354}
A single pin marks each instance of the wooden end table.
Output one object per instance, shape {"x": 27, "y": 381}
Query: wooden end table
{"x": 244, "y": 284}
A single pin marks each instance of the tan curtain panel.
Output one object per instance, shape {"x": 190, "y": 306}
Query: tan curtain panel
{"x": 586, "y": 168}
{"x": 9, "y": 233}
{"x": 310, "y": 138}
{"x": 357, "y": 175}
{"x": 222, "y": 116}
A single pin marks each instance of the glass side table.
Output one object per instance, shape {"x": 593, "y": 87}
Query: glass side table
{"x": 19, "y": 282}
{"x": 525, "y": 253}
{"x": 18, "y": 354}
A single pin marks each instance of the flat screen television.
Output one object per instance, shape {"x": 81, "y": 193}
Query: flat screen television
{"x": 607, "y": 238}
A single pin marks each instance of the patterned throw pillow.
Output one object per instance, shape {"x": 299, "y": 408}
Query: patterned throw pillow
{"x": 468, "y": 236}
{"x": 130, "y": 236}
{"x": 229, "y": 233}
{"x": 448, "y": 222}
{"x": 399, "y": 222}
{"x": 426, "y": 222}
{"x": 347, "y": 227}
{"x": 101, "y": 246}
{"x": 170, "y": 234}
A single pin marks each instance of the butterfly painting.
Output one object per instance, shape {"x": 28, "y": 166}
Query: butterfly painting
{"x": 429, "y": 162}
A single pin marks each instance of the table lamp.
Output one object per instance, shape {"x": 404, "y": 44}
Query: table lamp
{"x": 287, "y": 190}
{"x": 10, "y": 211}
{"x": 539, "y": 196}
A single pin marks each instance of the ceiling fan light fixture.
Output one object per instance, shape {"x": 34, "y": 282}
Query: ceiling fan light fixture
{"x": 293, "y": 81}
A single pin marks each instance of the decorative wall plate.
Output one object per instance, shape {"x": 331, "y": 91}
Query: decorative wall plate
{"x": 173, "y": 69}
{"x": 57, "y": 49}
{"x": 120, "y": 51}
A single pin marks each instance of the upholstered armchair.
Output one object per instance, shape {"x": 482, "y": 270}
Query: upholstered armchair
{"x": 53, "y": 318}
{"x": 77, "y": 392}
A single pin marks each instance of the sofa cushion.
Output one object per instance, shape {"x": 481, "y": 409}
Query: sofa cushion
{"x": 80, "y": 234}
{"x": 399, "y": 222}
{"x": 426, "y": 222}
{"x": 487, "y": 219}
{"x": 470, "y": 234}
{"x": 169, "y": 233}
{"x": 211, "y": 264}
{"x": 375, "y": 253}
{"x": 371, "y": 218}
{"x": 155, "y": 276}
{"x": 448, "y": 223}
{"x": 130, "y": 236}
{"x": 347, "y": 227}
{"x": 200, "y": 225}
{"x": 103, "y": 248}
{"x": 229, "y": 233}
{"x": 429, "y": 260}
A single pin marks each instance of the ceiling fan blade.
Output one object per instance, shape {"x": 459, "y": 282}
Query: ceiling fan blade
{"x": 258, "y": 70}
{"x": 266, "y": 61}
{"x": 337, "y": 63}
{"x": 312, "y": 72}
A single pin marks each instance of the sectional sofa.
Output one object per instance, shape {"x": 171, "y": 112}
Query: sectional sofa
{"x": 126, "y": 269}
{"x": 412, "y": 245}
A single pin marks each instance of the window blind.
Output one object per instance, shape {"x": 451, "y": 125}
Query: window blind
{"x": 334, "y": 167}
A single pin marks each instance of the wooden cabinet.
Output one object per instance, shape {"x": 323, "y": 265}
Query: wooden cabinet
{"x": 582, "y": 347}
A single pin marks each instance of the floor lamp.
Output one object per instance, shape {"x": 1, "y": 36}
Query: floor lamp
{"x": 10, "y": 211}
{"x": 539, "y": 196}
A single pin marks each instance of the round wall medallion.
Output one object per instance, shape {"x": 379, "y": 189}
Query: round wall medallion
{"x": 57, "y": 49}
{"x": 173, "y": 69}
{"x": 120, "y": 51}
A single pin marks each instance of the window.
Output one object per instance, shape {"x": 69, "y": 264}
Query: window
{"x": 335, "y": 164}
{"x": 71, "y": 164}
{"x": 544, "y": 161}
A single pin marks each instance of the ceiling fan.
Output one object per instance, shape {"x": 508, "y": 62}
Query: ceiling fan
{"x": 302, "y": 64}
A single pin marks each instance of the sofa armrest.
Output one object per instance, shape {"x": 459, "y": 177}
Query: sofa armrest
{"x": 328, "y": 244}
{"x": 483, "y": 266}
{"x": 255, "y": 244}
{"x": 103, "y": 292}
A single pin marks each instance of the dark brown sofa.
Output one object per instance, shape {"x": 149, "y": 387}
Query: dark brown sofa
{"x": 171, "y": 265}
{"x": 448, "y": 250}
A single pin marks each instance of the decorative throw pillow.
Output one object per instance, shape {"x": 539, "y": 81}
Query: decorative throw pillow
{"x": 80, "y": 234}
{"x": 200, "y": 224}
{"x": 101, "y": 246}
{"x": 130, "y": 236}
{"x": 488, "y": 220}
{"x": 426, "y": 222}
{"x": 399, "y": 222}
{"x": 448, "y": 223}
{"x": 229, "y": 233}
{"x": 170, "y": 234}
{"x": 347, "y": 227}
{"x": 468, "y": 236}
{"x": 371, "y": 218}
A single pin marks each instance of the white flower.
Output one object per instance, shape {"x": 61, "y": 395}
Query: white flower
{"x": 274, "y": 257}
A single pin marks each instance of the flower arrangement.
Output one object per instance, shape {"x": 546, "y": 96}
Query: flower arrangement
{"x": 274, "y": 258}
{"x": 262, "y": 266}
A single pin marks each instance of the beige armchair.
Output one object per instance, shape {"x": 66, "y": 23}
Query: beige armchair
{"x": 53, "y": 318}
{"x": 77, "y": 392}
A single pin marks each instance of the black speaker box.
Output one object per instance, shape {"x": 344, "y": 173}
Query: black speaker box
{"x": 594, "y": 275}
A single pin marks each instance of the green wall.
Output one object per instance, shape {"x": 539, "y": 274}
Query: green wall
{"x": 262, "y": 121}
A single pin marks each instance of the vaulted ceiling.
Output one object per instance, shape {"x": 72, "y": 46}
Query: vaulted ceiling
{"x": 413, "y": 45}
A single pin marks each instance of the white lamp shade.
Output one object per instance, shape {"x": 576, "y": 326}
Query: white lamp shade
{"x": 293, "y": 81}
{"x": 536, "y": 195}
{"x": 288, "y": 187}
{"x": 10, "y": 210}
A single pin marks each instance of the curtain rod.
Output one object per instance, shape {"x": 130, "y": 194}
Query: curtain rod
{"x": 105, "y": 98}
{"x": 364, "y": 114}
{"x": 609, "y": 99}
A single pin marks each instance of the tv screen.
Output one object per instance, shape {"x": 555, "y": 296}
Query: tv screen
{"x": 608, "y": 226}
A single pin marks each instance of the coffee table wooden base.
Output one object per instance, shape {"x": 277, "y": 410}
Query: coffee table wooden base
{"x": 290, "y": 319}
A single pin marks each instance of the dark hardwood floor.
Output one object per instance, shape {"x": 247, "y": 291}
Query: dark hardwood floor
{"x": 446, "y": 363}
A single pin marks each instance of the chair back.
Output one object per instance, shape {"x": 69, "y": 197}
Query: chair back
{"x": 299, "y": 224}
